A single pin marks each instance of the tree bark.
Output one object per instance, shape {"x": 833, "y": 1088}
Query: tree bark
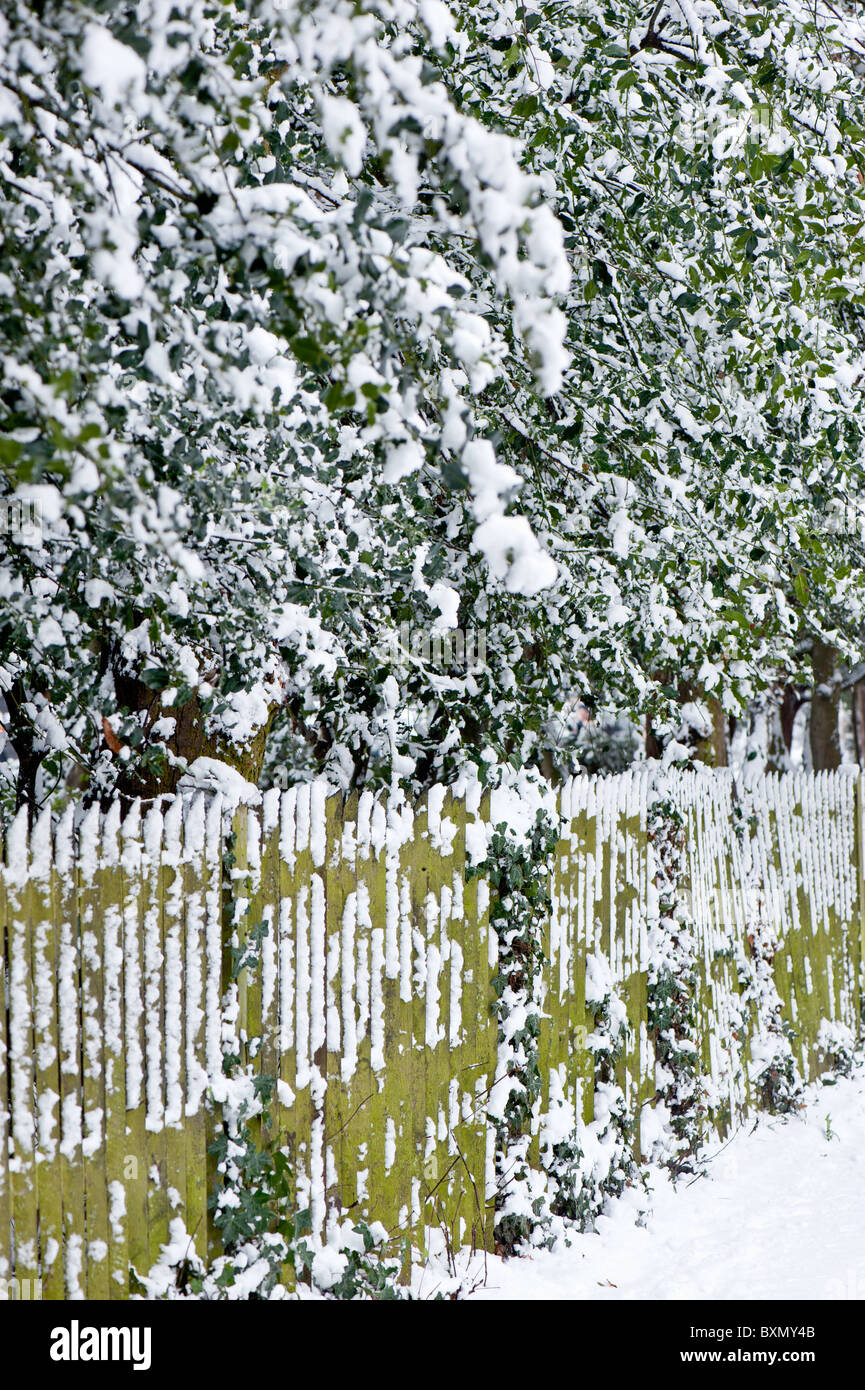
{"x": 710, "y": 748}
{"x": 823, "y": 732}
{"x": 189, "y": 741}
{"x": 22, "y": 737}
{"x": 713, "y": 749}
{"x": 790, "y": 706}
{"x": 653, "y": 747}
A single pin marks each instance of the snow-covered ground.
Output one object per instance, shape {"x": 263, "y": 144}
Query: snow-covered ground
{"x": 780, "y": 1214}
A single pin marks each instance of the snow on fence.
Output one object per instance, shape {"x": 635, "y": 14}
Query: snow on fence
{"x": 370, "y": 993}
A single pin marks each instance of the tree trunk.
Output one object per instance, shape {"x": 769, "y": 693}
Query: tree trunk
{"x": 713, "y": 749}
{"x": 189, "y": 741}
{"x": 823, "y": 731}
{"x": 776, "y": 709}
{"x": 790, "y": 706}
{"x": 709, "y": 747}
{"x": 22, "y": 737}
{"x": 653, "y": 747}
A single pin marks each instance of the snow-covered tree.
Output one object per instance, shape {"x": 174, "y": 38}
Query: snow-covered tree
{"x": 539, "y": 322}
{"x": 699, "y": 478}
{"x": 240, "y": 360}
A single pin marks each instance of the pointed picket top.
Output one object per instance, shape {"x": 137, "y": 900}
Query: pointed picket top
{"x": 16, "y": 869}
{"x": 287, "y": 825}
{"x": 195, "y": 826}
{"x": 41, "y": 847}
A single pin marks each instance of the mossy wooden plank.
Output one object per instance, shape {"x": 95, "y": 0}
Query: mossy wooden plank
{"x": 46, "y": 1057}
{"x": 429, "y": 967}
{"x": 850, "y": 933}
{"x": 822, "y": 926}
{"x": 174, "y": 1020}
{"x": 389, "y": 830}
{"x": 285, "y": 1107}
{"x": 447, "y": 1197}
{"x": 551, "y": 1003}
{"x": 6, "y": 1270}
{"x": 816, "y": 944}
{"x": 113, "y": 1053}
{"x": 319, "y": 1178}
{"x": 194, "y": 878}
{"x": 134, "y": 1176}
{"x": 22, "y": 1158}
{"x": 604, "y": 940}
{"x": 807, "y": 994}
{"x": 252, "y": 929}
{"x": 337, "y": 891}
{"x": 582, "y": 901}
{"x": 268, "y": 1057}
{"x": 614, "y": 837}
{"x": 816, "y": 836}
{"x": 470, "y": 1067}
{"x": 215, "y": 853}
{"x": 286, "y": 965}
{"x": 401, "y": 1162}
{"x": 361, "y": 967}
{"x": 629, "y": 918}
{"x": 239, "y": 925}
{"x": 643, "y": 1070}
{"x": 70, "y": 1056}
{"x": 813, "y": 1001}
{"x": 415, "y": 1080}
{"x": 90, "y": 883}
{"x": 795, "y": 905}
{"x": 860, "y": 867}
{"x": 550, "y": 1011}
{"x": 478, "y": 910}
{"x": 370, "y": 873}
{"x": 841, "y": 833}
{"x": 351, "y": 1086}
{"x": 574, "y": 898}
{"x": 847, "y": 926}
{"x": 301, "y": 1140}
{"x": 155, "y": 1156}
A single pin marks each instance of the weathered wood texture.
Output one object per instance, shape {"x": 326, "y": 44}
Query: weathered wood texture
{"x": 371, "y": 994}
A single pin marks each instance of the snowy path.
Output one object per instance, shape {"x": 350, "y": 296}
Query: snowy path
{"x": 781, "y": 1214}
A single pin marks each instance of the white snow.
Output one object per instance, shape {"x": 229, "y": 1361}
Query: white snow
{"x": 343, "y": 131}
{"x": 211, "y": 774}
{"x": 112, "y": 67}
{"x": 514, "y": 554}
{"x": 778, "y": 1215}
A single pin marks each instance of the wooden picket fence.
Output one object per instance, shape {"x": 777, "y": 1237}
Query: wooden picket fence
{"x": 370, "y": 995}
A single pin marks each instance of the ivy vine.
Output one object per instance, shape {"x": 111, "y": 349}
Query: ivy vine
{"x": 672, "y": 991}
{"x": 517, "y": 871}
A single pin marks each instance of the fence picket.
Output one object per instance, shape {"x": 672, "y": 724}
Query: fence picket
{"x": 90, "y": 901}
{"x": 23, "y": 1176}
{"x": 6, "y": 1269}
{"x": 47, "y": 1075}
{"x": 194, "y": 877}
{"x": 134, "y": 1176}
